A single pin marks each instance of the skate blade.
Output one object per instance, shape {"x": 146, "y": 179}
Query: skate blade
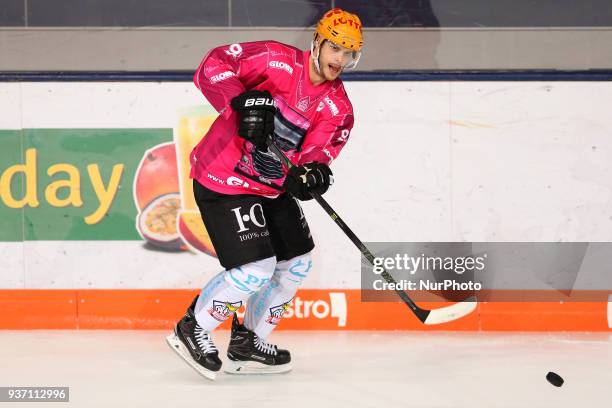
{"x": 180, "y": 349}
{"x": 253, "y": 367}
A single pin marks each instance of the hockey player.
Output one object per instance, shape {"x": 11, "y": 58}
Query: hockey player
{"x": 249, "y": 200}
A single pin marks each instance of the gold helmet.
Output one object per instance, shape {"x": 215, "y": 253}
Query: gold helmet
{"x": 341, "y": 28}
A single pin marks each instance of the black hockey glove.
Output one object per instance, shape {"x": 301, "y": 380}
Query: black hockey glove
{"x": 256, "y": 111}
{"x": 310, "y": 177}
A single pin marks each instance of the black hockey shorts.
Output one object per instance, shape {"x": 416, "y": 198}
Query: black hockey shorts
{"x": 247, "y": 228}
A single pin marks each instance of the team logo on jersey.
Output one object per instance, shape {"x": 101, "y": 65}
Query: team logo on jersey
{"x": 276, "y": 313}
{"x": 281, "y": 65}
{"x": 222, "y": 310}
{"x": 303, "y": 104}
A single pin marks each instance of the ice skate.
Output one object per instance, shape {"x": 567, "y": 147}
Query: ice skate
{"x": 248, "y": 354}
{"x": 195, "y": 345}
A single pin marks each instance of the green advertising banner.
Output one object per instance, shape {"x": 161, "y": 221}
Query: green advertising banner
{"x": 71, "y": 184}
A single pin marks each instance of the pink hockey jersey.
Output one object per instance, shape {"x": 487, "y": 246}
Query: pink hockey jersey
{"x": 312, "y": 123}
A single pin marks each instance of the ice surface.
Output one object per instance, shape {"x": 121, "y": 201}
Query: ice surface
{"x": 331, "y": 369}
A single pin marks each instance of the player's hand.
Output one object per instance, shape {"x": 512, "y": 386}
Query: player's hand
{"x": 256, "y": 111}
{"x": 308, "y": 178}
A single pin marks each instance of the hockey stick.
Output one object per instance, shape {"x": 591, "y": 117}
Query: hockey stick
{"x": 429, "y": 317}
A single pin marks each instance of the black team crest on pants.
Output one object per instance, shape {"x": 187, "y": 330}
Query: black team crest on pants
{"x": 222, "y": 310}
{"x": 277, "y": 312}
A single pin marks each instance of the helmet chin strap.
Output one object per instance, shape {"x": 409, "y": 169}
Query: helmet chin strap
{"x": 317, "y": 64}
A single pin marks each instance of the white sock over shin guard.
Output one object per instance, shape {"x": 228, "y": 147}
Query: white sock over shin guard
{"x": 266, "y": 307}
{"x": 228, "y": 290}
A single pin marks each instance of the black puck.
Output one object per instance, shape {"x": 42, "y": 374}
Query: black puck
{"x": 554, "y": 378}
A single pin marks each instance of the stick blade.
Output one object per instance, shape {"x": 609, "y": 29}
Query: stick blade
{"x": 452, "y": 312}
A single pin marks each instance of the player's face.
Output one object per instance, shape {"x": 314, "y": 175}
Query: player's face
{"x": 333, "y": 59}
